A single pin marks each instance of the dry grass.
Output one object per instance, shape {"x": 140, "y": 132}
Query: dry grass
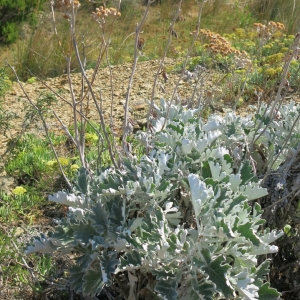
{"x": 38, "y": 50}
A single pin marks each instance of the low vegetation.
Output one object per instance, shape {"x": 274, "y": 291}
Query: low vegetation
{"x": 194, "y": 205}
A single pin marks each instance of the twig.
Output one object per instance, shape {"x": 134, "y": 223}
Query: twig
{"x": 278, "y": 95}
{"x": 161, "y": 66}
{"x": 186, "y": 59}
{"x": 44, "y": 124}
{"x": 24, "y": 261}
{"x": 126, "y": 106}
{"x": 111, "y": 154}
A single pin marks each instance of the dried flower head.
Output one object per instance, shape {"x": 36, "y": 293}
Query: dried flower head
{"x": 102, "y": 12}
{"x": 219, "y": 45}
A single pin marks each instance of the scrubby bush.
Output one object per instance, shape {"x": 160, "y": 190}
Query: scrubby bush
{"x": 180, "y": 223}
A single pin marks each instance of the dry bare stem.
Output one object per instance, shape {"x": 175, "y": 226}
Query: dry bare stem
{"x": 126, "y": 128}
{"x": 162, "y": 64}
{"x": 44, "y": 124}
{"x": 201, "y": 5}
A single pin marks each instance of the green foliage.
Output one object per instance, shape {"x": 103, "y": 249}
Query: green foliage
{"x": 13, "y": 13}
{"x": 19, "y": 206}
{"x": 28, "y": 158}
{"x": 250, "y": 62}
{"x": 6, "y": 118}
{"x": 15, "y": 271}
{"x": 180, "y": 217}
{"x": 279, "y": 10}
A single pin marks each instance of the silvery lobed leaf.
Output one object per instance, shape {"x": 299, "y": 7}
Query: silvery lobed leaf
{"x": 158, "y": 124}
{"x": 213, "y": 135}
{"x": 264, "y": 249}
{"x": 167, "y": 288}
{"x": 78, "y": 213}
{"x": 92, "y": 282}
{"x": 267, "y": 293}
{"x": 120, "y": 245}
{"x": 253, "y": 191}
{"x": 217, "y": 270}
{"x": 202, "y": 144}
{"x": 216, "y": 173}
{"x": 68, "y": 199}
{"x": 162, "y": 163}
{"x": 272, "y": 236}
{"x": 187, "y": 146}
{"x": 235, "y": 181}
{"x": 200, "y": 194}
{"x": 214, "y": 122}
{"x": 41, "y": 244}
{"x": 75, "y": 278}
{"x": 108, "y": 262}
{"x": 244, "y": 285}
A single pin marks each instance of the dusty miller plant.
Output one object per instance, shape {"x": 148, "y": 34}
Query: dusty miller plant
{"x": 179, "y": 222}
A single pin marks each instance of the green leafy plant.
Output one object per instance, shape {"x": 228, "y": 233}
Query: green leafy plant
{"x": 22, "y": 205}
{"x": 178, "y": 223}
{"x": 28, "y": 158}
{"x": 13, "y": 13}
{"x": 6, "y": 118}
{"x": 26, "y": 282}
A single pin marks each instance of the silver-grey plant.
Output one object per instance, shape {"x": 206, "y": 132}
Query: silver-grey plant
{"x": 180, "y": 222}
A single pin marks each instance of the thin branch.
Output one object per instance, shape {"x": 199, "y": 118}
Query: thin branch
{"x": 283, "y": 82}
{"x": 44, "y": 124}
{"x": 126, "y": 106}
{"x": 186, "y": 59}
{"x": 161, "y": 66}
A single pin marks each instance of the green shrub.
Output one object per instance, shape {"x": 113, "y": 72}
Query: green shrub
{"x": 13, "y": 13}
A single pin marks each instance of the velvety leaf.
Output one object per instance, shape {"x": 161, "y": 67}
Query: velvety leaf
{"x": 116, "y": 212}
{"x": 267, "y": 293}
{"x": 247, "y": 173}
{"x": 165, "y": 272}
{"x": 109, "y": 263}
{"x": 167, "y": 288}
{"x": 64, "y": 234}
{"x": 236, "y": 201}
{"x": 179, "y": 128}
{"x": 92, "y": 282}
{"x": 132, "y": 258}
{"x": 99, "y": 218}
{"x": 75, "y": 279}
{"x": 203, "y": 288}
{"x": 82, "y": 180}
{"x": 216, "y": 269}
{"x": 254, "y": 191}
{"x": 84, "y": 232}
{"x": 247, "y": 231}
{"x": 85, "y": 259}
{"x": 260, "y": 272}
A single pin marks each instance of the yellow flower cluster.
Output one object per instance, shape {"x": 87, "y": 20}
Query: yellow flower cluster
{"x": 74, "y": 168}
{"x": 53, "y": 163}
{"x": 91, "y": 137}
{"x": 19, "y": 190}
{"x": 103, "y": 12}
{"x": 272, "y": 73}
